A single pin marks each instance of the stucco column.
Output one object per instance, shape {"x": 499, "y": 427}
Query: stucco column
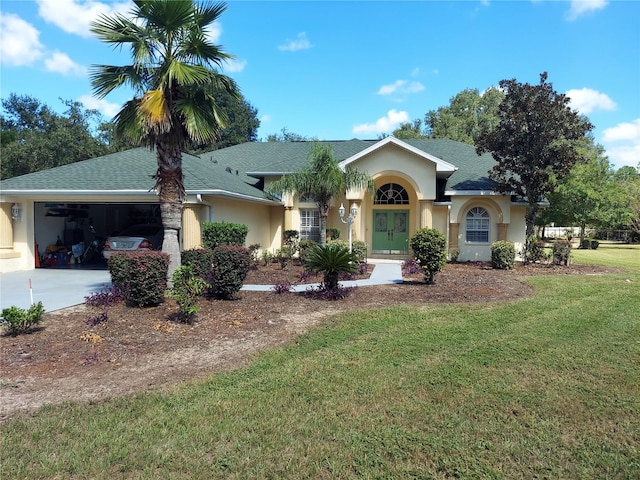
{"x": 191, "y": 227}
{"x": 426, "y": 214}
{"x": 502, "y": 231}
{"x": 454, "y": 230}
{"x": 6, "y": 226}
{"x": 288, "y": 218}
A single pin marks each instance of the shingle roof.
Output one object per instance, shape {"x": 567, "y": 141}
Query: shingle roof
{"x": 226, "y": 170}
{"x": 131, "y": 171}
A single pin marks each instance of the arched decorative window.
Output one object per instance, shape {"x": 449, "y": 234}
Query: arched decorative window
{"x": 391, "y": 194}
{"x": 478, "y": 225}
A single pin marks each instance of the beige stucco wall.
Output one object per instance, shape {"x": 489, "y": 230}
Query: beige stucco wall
{"x": 500, "y": 211}
{"x": 416, "y": 171}
{"x": 263, "y": 220}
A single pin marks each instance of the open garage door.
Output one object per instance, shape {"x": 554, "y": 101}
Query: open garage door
{"x": 64, "y": 229}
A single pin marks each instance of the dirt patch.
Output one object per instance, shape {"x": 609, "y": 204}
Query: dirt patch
{"x": 141, "y": 349}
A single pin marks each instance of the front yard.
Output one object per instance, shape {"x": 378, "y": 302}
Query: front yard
{"x": 485, "y": 374}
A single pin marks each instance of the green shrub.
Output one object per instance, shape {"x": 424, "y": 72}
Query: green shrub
{"x": 187, "y": 287}
{"x": 589, "y": 244}
{"x": 304, "y": 247}
{"x": 358, "y": 248}
{"x": 283, "y": 256}
{"x": 429, "y": 250}
{"x": 534, "y": 250}
{"x": 230, "y": 267}
{"x": 142, "y": 275}
{"x": 200, "y": 260}
{"x": 19, "y": 320}
{"x": 454, "y": 254}
{"x": 331, "y": 260}
{"x": 503, "y": 255}
{"x": 561, "y": 252}
{"x": 333, "y": 233}
{"x": 223, "y": 233}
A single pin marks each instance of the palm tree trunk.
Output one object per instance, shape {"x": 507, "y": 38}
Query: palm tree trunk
{"x": 169, "y": 183}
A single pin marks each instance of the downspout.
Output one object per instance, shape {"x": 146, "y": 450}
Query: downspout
{"x": 206, "y": 204}
{"x": 448, "y": 230}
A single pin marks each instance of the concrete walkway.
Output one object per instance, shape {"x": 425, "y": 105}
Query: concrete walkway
{"x": 62, "y": 288}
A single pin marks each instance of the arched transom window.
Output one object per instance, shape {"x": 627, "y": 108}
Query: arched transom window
{"x": 478, "y": 225}
{"x": 391, "y": 194}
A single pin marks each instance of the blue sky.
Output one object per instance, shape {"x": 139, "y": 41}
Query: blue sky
{"x": 338, "y": 70}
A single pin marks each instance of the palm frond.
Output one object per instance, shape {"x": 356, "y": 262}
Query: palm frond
{"x": 154, "y": 112}
{"x": 106, "y": 78}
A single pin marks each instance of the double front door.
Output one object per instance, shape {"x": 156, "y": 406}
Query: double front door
{"x": 390, "y": 231}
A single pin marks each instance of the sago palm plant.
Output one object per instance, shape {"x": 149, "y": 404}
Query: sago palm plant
{"x": 331, "y": 260}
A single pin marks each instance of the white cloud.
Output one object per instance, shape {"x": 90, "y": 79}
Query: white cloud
{"x": 265, "y": 118}
{"x": 61, "y": 63}
{"x": 108, "y": 109}
{"x": 234, "y": 66}
{"x": 214, "y": 32}
{"x": 74, "y": 16}
{"x": 400, "y": 86}
{"x": 587, "y": 100}
{"x": 622, "y": 143}
{"x": 582, "y": 7}
{"x": 19, "y": 41}
{"x": 300, "y": 43}
{"x": 386, "y": 124}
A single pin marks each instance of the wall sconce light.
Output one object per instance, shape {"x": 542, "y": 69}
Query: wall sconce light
{"x": 16, "y": 211}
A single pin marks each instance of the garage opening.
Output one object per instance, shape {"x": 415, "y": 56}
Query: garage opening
{"x": 64, "y": 231}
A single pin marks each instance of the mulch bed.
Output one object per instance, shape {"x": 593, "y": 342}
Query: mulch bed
{"x": 134, "y": 350}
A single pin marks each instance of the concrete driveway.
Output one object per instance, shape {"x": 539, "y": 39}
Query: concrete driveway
{"x": 55, "y": 288}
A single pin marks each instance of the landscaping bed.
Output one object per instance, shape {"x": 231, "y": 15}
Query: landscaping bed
{"x": 66, "y": 358}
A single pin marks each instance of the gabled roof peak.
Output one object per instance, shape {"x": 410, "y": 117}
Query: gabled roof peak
{"x": 441, "y": 165}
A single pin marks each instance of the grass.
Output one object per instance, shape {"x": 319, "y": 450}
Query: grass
{"x": 546, "y": 387}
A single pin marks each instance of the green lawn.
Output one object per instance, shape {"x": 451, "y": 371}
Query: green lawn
{"x": 546, "y": 387}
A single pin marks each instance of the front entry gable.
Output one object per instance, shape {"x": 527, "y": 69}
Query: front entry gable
{"x": 393, "y": 157}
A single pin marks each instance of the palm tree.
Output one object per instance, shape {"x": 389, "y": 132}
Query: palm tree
{"x": 322, "y": 180}
{"x": 174, "y": 75}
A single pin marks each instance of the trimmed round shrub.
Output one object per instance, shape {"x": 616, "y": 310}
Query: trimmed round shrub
{"x": 223, "y": 233}
{"x": 429, "y": 250}
{"x": 229, "y": 269}
{"x": 141, "y": 275}
{"x": 589, "y": 244}
{"x": 200, "y": 260}
{"x": 561, "y": 252}
{"x": 503, "y": 255}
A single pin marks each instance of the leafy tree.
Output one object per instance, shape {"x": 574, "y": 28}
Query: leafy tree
{"x": 175, "y": 79}
{"x": 34, "y": 137}
{"x": 286, "y": 136}
{"x": 409, "y": 130}
{"x": 242, "y": 125}
{"x": 468, "y": 113}
{"x": 589, "y": 195}
{"x": 628, "y": 179}
{"x": 534, "y": 144}
{"x": 322, "y": 180}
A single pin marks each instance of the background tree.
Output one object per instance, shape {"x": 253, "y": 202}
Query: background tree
{"x": 175, "y": 79}
{"x": 241, "y": 127}
{"x": 468, "y": 113}
{"x": 35, "y": 138}
{"x": 588, "y": 195}
{"x": 322, "y": 180}
{"x": 534, "y": 144}
{"x": 409, "y": 130}
{"x": 286, "y": 136}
